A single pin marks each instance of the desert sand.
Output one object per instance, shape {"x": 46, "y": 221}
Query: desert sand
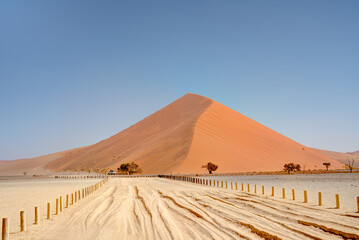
{"x": 23, "y": 194}
{"x": 344, "y": 184}
{"x": 32, "y": 165}
{"x": 182, "y": 137}
{"x": 154, "y": 208}
{"x": 342, "y": 157}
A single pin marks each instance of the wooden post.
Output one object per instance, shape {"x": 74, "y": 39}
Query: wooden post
{"x": 48, "y": 211}
{"x": 75, "y": 196}
{"x": 283, "y": 192}
{"x": 319, "y": 198}
{"x": 226, "y": 184}
{"x": 221, "y": 184}
{"x": 358, "y": 203}
{"x": 36, "y": 221}
{"x": 242, "y": 187}
{"x": 79, "y": 194}
{"x": 83, "y": 193}
{"x": 22, "y": 221}
{"x": 337, "y": 201}
{"x": 262, "y": 189}
{"x": 248, "y": 187}
{"x": 305, "y": 196}
{"x": 60, "y": 204}
{"x": 57, "y": 207}
{"x": 5, "y": 229}
{"x": 293, "y": 194}
{"x": 237, "y": 188}
{"x": 232, "y": 185}
{"x": 272, "y": 191}
{"x": 72, "y": 199}
{"x": 255, "y": 188}
{"x": 67, "y": 200}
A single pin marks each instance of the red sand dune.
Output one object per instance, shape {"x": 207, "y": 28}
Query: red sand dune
{"x": 342, "y": 157}
{"x": 188, "y": 133}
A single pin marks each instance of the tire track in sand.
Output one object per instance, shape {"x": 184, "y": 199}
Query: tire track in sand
{"x": 165, "y": 209}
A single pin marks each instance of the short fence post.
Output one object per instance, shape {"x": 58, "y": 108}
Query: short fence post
{"x": 83, "y": 193}
{"x": 305, "y": 196}
{"x": 293, "y": 194}
{"x": 248, "y": 187}
{"x": 60, "y": 204}
{"x": 272, "y": 191}
{"x": 5, "y": 229}
{"x": 226, "y": 184}
{"x": 79, "y": 194}
{"x": 242, "y": 187}
{"x": 48, "y": 211}
{"x": 22, "y": 221}
{"x": 358, "y": 203}
{"x": 319, "y": 198}
{"x": 262, "y": 190}
{"x": 237, "y": 188}
{"x": 283, "y": 192}
{"x": 67, "y": 200}
{"x": 232, "y": 185}
{"x": 221, "y": 184}
{"x": 57, "y": 206}
{"x": 337, "y": 201}
{"x": 72, "y": 199}
{"x": 36, "y": 221}
{"x": 75, "y": 196}
{"x": 255, "y": 188}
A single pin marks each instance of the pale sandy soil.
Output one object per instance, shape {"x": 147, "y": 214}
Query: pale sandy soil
{"x": 153, "y": 208}
{"x": 344, "y": 184}
{"x": 23, "y": 194}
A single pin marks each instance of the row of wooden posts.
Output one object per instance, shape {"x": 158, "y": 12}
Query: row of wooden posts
{"x": 222, "y": 184}
{"x": 74, "y": 197}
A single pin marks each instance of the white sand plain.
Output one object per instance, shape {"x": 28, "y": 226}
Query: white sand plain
{"x": 153, "y": 208}
{"x": 344, "y": 184}
{"x": 23, "y": 194}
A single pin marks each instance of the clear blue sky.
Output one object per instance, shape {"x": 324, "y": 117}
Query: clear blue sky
{"x": 75, "y": 72}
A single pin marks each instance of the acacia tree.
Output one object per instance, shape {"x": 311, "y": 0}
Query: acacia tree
{"x": 291, "y": 167}
{"x": 350, "y": 164}
{"x": 327, "y": 165}
{"x": 130, "y": 168}
{"x": 134, "y": 168}
{"x": 211, "y": 167}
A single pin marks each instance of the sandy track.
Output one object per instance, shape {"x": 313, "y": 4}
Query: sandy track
{"x": 144, "y": 208}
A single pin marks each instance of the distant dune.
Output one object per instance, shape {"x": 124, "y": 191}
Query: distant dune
{"x": 31, "y": 165}
{"x": 342, "y": 157}
{"x": 183, "y": 136}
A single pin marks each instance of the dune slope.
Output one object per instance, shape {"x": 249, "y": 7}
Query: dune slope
{"x": 33, "y": 165}
{"x": 341, "y": 157}
{"x": 159, "y": 143}
{"x": 238, "y": 143}
{"x": 185, "y": 135}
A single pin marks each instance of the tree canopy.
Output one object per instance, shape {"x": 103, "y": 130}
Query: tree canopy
{"x": 327, "y": 165}
{"x": 291, "y": 167}
{"x": 129, "y": 168}
{"x": 211, "y": 167}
